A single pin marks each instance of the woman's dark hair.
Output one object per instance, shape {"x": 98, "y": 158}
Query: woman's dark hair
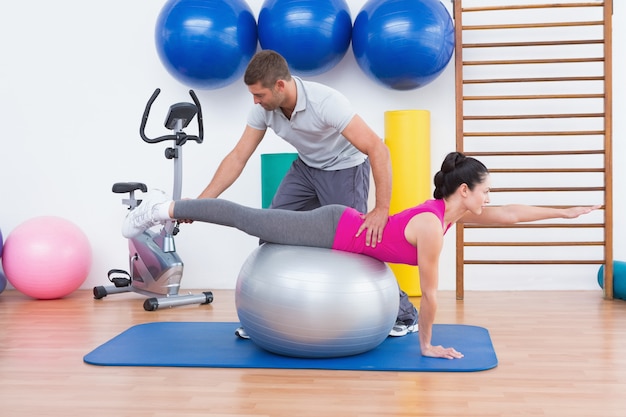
{"x": 458, "y": 169}
{"x": 266, "y": 66}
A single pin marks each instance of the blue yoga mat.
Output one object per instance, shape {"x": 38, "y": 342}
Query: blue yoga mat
{"x": 214, "y": 345}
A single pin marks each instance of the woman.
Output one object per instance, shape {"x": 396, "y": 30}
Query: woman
{"x": 461, "y": 195}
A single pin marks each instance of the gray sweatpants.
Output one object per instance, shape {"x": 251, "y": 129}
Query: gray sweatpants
{"x": 306, "y": 188}
{"x": 287, "y": 227}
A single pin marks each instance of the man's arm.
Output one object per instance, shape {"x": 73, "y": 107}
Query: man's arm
{"x": 367, "y": 141}
{"x": 232, "y": 165}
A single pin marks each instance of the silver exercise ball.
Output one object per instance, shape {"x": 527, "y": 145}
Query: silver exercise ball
{"x": 315, "y": 303}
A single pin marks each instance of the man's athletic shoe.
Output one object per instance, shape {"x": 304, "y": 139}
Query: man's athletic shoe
{"x": 240, "y": 332}
{"x": 402, "y": 329}
{"x": 141, "y": 218}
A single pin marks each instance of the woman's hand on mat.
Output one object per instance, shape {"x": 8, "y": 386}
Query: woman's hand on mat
{"x": 441, "y": 352}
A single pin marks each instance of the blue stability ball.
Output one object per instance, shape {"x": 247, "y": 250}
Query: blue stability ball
{"x": 312, "y": 35}
{"x": 619, "y": 279}
{"x": 206, "y": 44}
{"x": 403, "y": 44}
{"x": 3, "y": 278}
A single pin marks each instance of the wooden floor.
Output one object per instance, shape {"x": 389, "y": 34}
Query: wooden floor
{"x": 560, "y": 354}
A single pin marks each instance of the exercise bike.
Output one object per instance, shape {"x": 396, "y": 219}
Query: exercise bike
{"x": 155, "y": 268}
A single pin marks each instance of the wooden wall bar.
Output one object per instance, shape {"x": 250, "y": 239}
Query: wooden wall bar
{"x": 533, "y": 102}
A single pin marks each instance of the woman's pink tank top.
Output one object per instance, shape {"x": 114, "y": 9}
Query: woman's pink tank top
{"x": 394, "y": 248}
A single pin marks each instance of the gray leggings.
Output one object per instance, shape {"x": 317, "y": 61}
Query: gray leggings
{"x": 303, "y": 228}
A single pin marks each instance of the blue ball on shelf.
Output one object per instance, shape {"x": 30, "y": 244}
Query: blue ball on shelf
{"x": 403, "y": 44}
{"x": 3, "y": 278}
{"x": 3, "y": 281}
{"x": 312, "y": 35}
{"x": 619, "y": 279}
{"x": 206, "y": 44}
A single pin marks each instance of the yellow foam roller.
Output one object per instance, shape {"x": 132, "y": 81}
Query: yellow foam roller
{"x": 407, "y": 135}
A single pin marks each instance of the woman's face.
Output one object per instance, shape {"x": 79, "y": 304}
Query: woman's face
{"x": 478, "y": 198}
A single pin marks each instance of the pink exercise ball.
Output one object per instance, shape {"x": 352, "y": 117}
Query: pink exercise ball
{"x": 46, "y": 257}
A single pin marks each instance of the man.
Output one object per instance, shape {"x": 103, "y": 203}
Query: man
{"x": 336, "y": 151}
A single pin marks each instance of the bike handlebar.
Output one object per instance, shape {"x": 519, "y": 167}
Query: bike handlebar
{"x": 180, "y": 137}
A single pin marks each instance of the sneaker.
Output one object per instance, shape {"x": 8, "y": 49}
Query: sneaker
{"x": 413, "y": 328}
{"x": 402, "y": 329}
{"x": 399, "y": 329}
{"x": 141, "y": 218}
{"x": 240, "y": 332}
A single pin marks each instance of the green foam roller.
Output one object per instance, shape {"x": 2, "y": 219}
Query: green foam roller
{"x": 274, "y": 166}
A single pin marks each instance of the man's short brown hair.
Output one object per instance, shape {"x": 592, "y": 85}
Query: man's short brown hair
{"x": 267, "y": 66}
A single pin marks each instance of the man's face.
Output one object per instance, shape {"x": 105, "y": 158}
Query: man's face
{"x": 269, "y": 98}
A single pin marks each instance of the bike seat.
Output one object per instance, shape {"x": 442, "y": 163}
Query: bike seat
{"x": 127, "y": 187}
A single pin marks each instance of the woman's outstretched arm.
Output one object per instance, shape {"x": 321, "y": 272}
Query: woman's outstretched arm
{"x": 518, "y": 213}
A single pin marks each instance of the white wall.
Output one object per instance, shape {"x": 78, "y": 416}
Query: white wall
{"x": 74, "y": 80}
